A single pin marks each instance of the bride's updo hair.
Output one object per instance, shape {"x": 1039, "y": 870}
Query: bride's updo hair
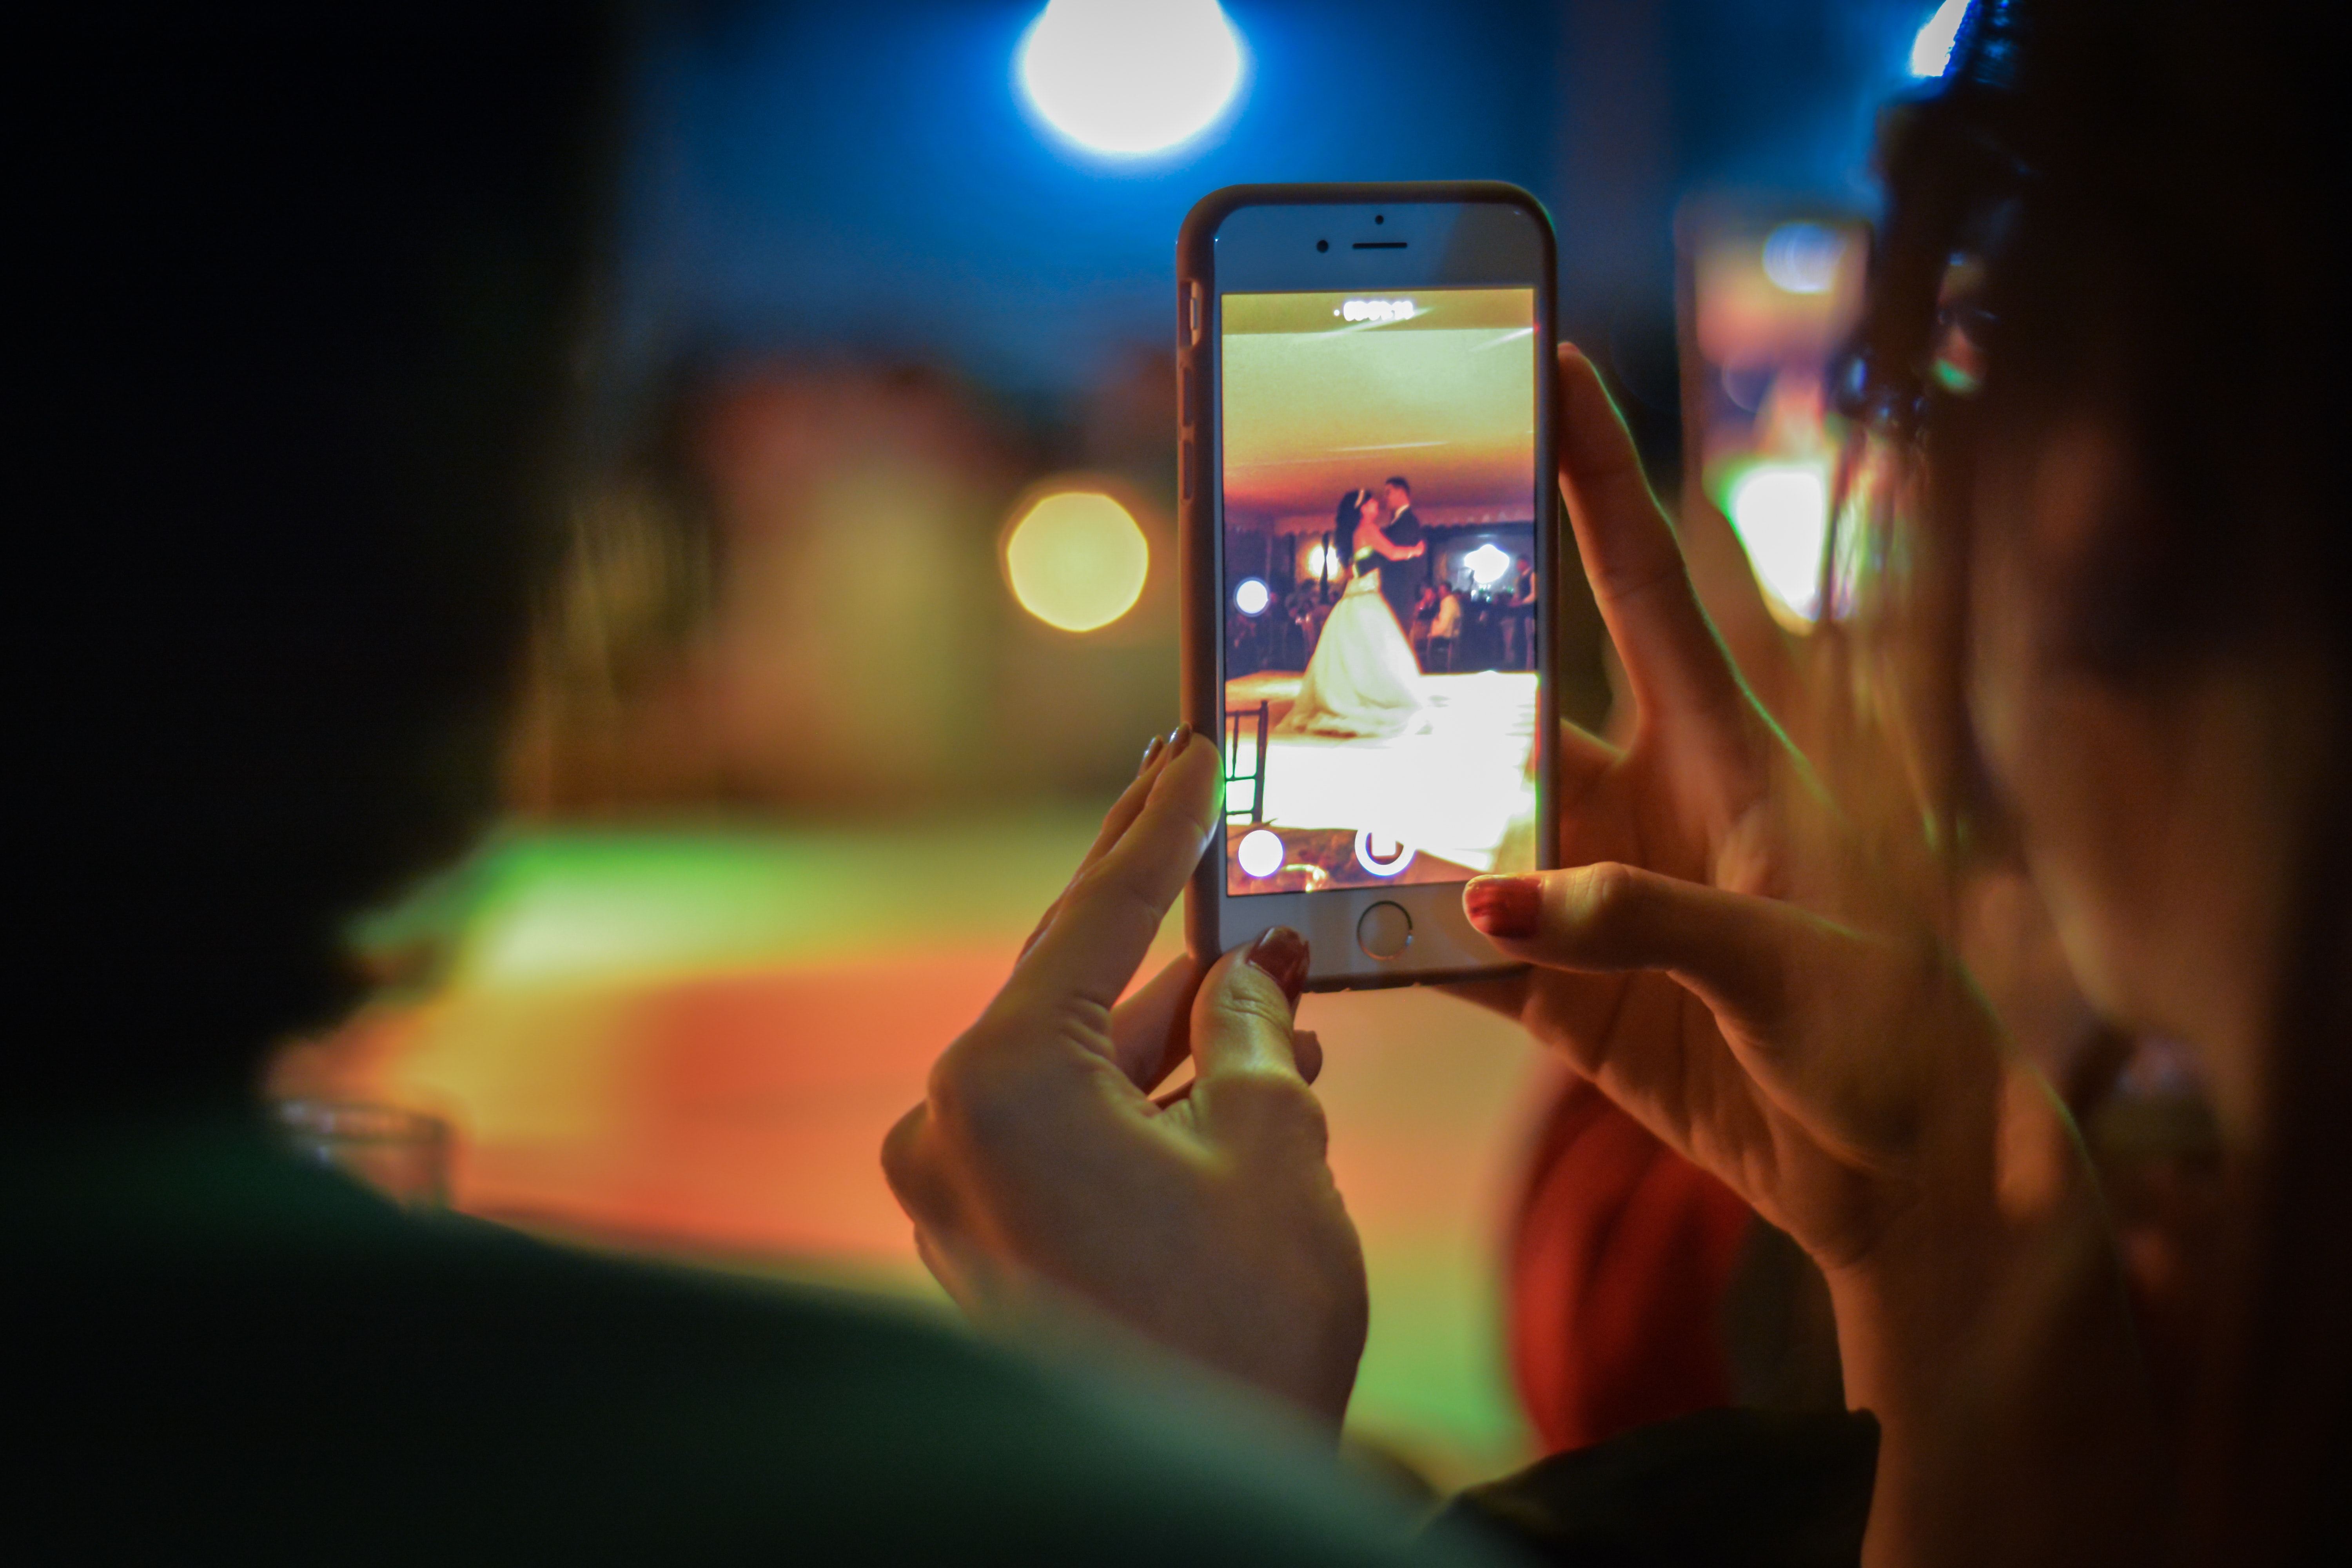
{"x": 1343, "y": 522}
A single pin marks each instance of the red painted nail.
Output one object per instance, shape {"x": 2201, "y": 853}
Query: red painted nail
{"x": 1177, "y": 737}
{"x": 1504, "y": 906}
{"x": 1282, "y": 952}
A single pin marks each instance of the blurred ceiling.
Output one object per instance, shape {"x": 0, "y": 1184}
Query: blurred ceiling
{"x": 869, "y": 180}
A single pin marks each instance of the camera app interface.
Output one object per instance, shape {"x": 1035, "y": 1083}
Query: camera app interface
{"x": 1379, "y": 587}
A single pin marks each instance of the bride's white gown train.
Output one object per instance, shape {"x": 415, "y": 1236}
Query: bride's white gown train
{"x": 1362, "y": 680}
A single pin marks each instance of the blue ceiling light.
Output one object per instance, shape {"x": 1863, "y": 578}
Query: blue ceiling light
{"x": 1931, "y": 50}
{"x": 1130, "y": 78}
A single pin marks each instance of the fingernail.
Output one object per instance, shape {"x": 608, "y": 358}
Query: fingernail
{"x": 1282, "y": 952}
{"x": 1151, "y": 749}
{"x": 1177, "y": 737}
{"x": 1504, "y": 906}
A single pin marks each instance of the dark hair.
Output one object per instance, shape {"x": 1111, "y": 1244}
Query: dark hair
{"x": 2138, "y": 185}
{"x": 314, "y": 444}
{"x": 1399, "y": 481}
{"x": 1344, "y": 522}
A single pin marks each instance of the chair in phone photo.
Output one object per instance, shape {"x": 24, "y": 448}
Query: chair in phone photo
{"x": 1253, "y": 720}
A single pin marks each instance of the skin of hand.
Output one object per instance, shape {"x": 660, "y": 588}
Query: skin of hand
{"x": 1730, "y": 965}
{"x": 1040, "y": 1168}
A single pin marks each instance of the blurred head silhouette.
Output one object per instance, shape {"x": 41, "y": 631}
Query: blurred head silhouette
{"x": 326, "y": 275}
{"x": 2098, "y": 316}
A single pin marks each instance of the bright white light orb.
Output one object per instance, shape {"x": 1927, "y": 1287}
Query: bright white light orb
{"x": 1488, "y": 564}
{"x": 1252, "y": 597}
{"x": 1260, "y": 853}
{"x": 1130, "y": 77}
{"x": 1931, "y": 51}
{"x": 1782, "y": 513}
{"x": 1802, "y": 257}
{"x": 1077, "y": 560}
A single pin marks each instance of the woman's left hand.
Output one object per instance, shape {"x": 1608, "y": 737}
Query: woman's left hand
{"x": 1206, "y": 1219}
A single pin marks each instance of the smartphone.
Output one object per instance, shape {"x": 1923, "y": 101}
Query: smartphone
{"x": 1368, "y": 533}
{"x": 1769, "y": 294}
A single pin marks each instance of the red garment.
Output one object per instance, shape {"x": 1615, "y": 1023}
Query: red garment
{"x": 1621, "y": 1259}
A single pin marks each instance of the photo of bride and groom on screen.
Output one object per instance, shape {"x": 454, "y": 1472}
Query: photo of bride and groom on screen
{"x": 1380, "y": 692}
{"x": 1363, "y": 679}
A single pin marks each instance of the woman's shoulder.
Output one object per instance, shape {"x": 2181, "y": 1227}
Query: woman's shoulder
{"x": 281, "y": 1319}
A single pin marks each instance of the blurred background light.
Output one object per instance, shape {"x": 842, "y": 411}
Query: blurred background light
{"x": 1260, "y": 853}
{"x": 1802, "y": 257}
{"x": 1252, "y": 597}
{"x": 1130, "y": 77}
{"x": 1487, "y": 563}
{"x": 1077, "y": 560}
{"x": 1931, "y": 51}
{"x": 803, "y": 776}
{"x": 1782, "y": 513}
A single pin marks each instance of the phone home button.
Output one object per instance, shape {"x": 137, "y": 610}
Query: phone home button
{"x": 1385, "y": 931}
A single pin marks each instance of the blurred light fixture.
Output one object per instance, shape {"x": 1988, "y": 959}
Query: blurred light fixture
{"x": 1077, "y": 560}
{"x": 1931, "y": 50}
{"x": 1802, "y": 257}
{"x": 1488, "y": 564}
{"x": 1782, "y": 513}
{"x": 1252, "y": 597}
{"x": 1130, "y": 77}
{"x": 1260, "y": 853}
{"x": 1322, "y": 561}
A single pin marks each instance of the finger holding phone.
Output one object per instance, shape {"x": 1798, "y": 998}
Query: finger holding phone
{"x": 1040, "y": 1168}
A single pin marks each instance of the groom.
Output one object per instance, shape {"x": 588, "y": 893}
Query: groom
{"x": 1401, "y": 581}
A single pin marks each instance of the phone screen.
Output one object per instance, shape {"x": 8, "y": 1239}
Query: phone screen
{"x": 1772, "y": 300}
{"x": 1378, "y": 614}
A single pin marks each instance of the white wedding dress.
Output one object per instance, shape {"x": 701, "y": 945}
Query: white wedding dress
{"x": 1362, "y": 681}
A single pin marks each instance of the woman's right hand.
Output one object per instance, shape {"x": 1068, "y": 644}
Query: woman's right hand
{"x": 1042, "y": 1166}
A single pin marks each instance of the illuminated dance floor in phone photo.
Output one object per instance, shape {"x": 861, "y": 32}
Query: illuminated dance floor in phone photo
{"x": 1454, "y": 787}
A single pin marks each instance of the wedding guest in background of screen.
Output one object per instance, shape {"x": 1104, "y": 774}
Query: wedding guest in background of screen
{"x": 1444, "y": 628}
{"x": 1520, "y": 626}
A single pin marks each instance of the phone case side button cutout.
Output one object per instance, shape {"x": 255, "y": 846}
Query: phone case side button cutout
{"x": 1384, "y": 931}
{"x": 1184, "y": 472}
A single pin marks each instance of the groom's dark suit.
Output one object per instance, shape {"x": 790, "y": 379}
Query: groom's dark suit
{"x": 1401, "y": 581}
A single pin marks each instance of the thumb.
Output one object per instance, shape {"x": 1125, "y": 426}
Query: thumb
{"x": 1736, "y": 953}
{"x": 1248, "y": 1088}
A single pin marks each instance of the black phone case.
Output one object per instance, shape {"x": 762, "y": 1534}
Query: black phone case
{"x": 1197, "y": 407}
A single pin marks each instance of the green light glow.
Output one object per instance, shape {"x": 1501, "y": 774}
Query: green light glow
{"x": 551, "y": 908}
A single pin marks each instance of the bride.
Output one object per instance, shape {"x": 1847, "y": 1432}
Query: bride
{"x": 1362, "y": 680}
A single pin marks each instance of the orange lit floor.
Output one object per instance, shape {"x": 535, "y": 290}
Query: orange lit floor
{"x": 692, "y": 1044}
